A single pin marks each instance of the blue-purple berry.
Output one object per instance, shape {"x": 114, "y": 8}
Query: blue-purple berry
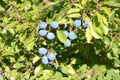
{"x": 51, "y": 56}
{"x": 67, "y": 43}
{"x": 65, "y": 25}
{"x": 54, "y": 24}
{"x": 42, "y": 32}
{"x": 50, "y": 36}
{"x": 72, "y": 35}
{"x": 85, "y": 24}
{"x": 42, "y": 51}
{"x": 66, "y": 33}
{"x": 43, "y": 25}
{"x": 45, "y": 60}
{"x": 77, "y": 23}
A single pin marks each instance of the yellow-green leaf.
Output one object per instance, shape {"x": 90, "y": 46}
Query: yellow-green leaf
{"x": 75, "y": 15}
{"x": 29, "y": 43}
{"x": 63, "y": 21}
{"x": 74, "y": 10}
{"x": 88, "y": 35}
{"x": 61, "y": 36}
{"x": 37, "y": 69}
{"x": 70, "y": 69}
{"x": 106, "y": 10}
{"x": 84, "y": 2}
{"x": 95, "y": 35}
{"x": 35, "y": 59}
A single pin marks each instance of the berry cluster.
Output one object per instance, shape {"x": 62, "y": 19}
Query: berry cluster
{"x": 47, "y": 57}
{"x": 43, "y": 32}
{"x": 70, "y": 35}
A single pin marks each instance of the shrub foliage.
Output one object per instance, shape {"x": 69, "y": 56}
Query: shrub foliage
{"x": 93, "y": 54}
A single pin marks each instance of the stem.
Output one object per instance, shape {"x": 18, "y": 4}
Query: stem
{"x": 46, "y": 1}
{"x": 97, "y": 5}
{"x": 16, "y": 11}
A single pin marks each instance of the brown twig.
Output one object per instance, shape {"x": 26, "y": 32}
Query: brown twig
{"x": 97, "y": 5}
{"x": 46, "y": 1}
{"x": 16, "y": 11}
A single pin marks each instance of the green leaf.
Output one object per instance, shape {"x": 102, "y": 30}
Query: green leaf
{"x": 30, "y": 46}
{"x": 18, "y": 65}
{"x": 18, "y": 77}
{"x": 94, "y": 33}
{"x": 64, "y": 69}
{"x": 88, "y": 35}
{"x": 114, "y": 3}
{"x": 35, "y": 59}
{"x": 75, "y": 15}
{"x": 84, "y": 2}
{"x": 70, "y": 69}
{"x": 109, "y": 55}
{"x": 37, "y": 70}
{"x": 83, "y": 68}
{"x": 26, "y": 75}
{"x": 98, "y": 47}
{"x": 116, "y": 62}
{"x": 1, "y": 8}
{"x": 29, "y": 43}
{"x": 102, "y": 24}
{"x": 106, "y": 10}
{"x": 21, "y": 58}
{"x": 107, "y": 40}
{"x": 115, "y": 49}
{"x": 73, "y": 10}
{"x": 61, "y": 36}
{"x": 112, "y": 15}
{"x": 58, "y": 74}
{"x": 78, "y": 5}
{"x": 2, "y": 77}
{"x": 22, "y": 36}
{"x": 11, "y": 74}
{"x": 109, "y": 75}
{"x": 63, "y": 21}
{"x": 105, "y": 29}
{"x": 99, "y": 70}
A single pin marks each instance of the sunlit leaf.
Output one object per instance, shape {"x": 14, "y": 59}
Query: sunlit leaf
{"x": 74, "y": 10}
{"x": 88, "y": 35}
{"x": 75, "y": 15}
{"x": 61, "y": 36}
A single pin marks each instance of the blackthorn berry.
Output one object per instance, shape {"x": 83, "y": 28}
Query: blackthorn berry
{"x": 65, "y": 26}
{"x": 42, "y": 32}
{"x": 43, "y": 25}
{"x": 51, "y": 56}
{"x": 85, "y": 24}
{"x": 42, "y": 51}
{"x": 67, "y": 43}
{"x": 45, "y": 60}
{"x": 72, "y": 35}
{"x": 50, "y": 36}
{"x": 54, "y": 24}
{"x": 77, "y": 23}
{"x": 66, "y": 33}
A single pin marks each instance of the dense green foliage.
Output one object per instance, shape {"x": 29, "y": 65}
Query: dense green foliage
{"x": 93, "y": 55}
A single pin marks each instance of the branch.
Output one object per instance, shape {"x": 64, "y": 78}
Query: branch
{"x": 97, "y": 5}
{"x": 16, "y": 11}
